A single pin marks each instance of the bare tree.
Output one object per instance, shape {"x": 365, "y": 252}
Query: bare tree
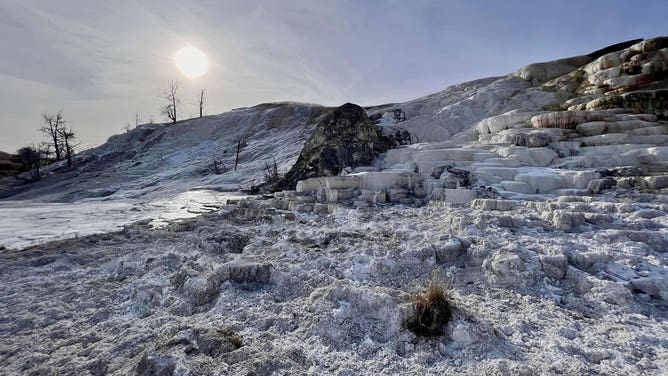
{"x": 240, "y": 144}
{"x": 202, "y": 100}
{"x": 127, "y": 127}
{"x": 52, "y": 125}
{"x": 67, "y": 137}
{"x": 172, "y": 108}
{"x": 218, "y": 165}
{"x": 271, "y": 175}
{"x": 137, "y": 119}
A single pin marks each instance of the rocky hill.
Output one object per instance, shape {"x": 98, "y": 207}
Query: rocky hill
{"x": 344, "y": 138}
{"x": 162, "y": 159}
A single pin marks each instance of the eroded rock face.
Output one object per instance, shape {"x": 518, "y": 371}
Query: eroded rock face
{"x": 651, "y": 101}
{"x": 344, "y": 138}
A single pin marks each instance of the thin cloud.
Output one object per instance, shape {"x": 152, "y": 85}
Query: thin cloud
{"x": 101, "y": 62}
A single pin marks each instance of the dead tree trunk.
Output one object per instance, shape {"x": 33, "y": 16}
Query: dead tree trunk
{"x": 236, "y": 160}
{"x": 52, "y": 128}
{"x": 67, "y": 135}
{"x": 202, "y": 100}
{"x": 171, "y": 109}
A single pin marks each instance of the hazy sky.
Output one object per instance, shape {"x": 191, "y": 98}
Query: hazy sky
{"x": 102, "y": 61}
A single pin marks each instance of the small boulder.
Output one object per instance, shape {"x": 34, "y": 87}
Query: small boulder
{"x": 200, "y": 290}
{"x": 505, "y": 268}
{"x": 448, "y": 251}
{"x": 567, "y": 221}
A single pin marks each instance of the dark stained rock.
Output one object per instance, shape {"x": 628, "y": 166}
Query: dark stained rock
{"x": 208, "y": 341}
{"x": 597, "y": 186}
{"x": 156, "y": 365}
{"x": 532, "y": 140}
{"x": 438, "y": 171}
{"x": 648, "y": 102}
{"x": 245, "y": 272}
{"x": 344, "y": 138}
{"x": 462, "y": 177}
{"x": 621, "y": 171}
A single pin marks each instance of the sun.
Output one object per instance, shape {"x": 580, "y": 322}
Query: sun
{"x": 191, "y": 61}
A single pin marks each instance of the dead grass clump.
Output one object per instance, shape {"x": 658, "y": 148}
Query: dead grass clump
{"x": 231, "y": 337}
{"x": 431, "y": 312}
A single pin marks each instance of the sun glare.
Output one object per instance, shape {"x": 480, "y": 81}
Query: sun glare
{"x": 191, "y": 61}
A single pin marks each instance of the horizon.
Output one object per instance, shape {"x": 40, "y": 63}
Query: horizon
{"x": 100, "y": 64}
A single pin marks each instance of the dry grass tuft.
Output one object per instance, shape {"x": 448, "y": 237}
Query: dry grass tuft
{"x": 231, "y": 337}
{"x": 431, "y": 311}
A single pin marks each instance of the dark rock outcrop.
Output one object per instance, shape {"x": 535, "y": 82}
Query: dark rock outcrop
{"x": 597, "y": 186}
{"x": 621, "y": 171}
{"x": 344, "y": 138}
{"x": 615, "y": 47}
{"x": 532, "y": 140}
{"x": 648, "y": 102}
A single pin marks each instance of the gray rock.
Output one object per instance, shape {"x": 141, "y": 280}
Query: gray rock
{"x": 649, "y": 213}
{"x": 153, "y": 364}
{"x": 599, "y": 219}
{"x": 229, "y": 241}
{"x": 532, "y": 140}
{"x": 597, "y": 186}
{"x": 448, "y": 251}
{"x": 554, "y": 265}
{"x": 580, "y": 280}
{"x": 210, "y": 342}
{"x": 143, "y": 302}
{"x": 567, "y": 221}
{"x": 241, "y": 272}
{"x": 656, "y": 240}
{"x": 505, "y": 268}
{"x": 628, "y": 183}
{"x": 657, "y": 182}
{"x": 199, "y": 290}
{"x": 647, "y": 286}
